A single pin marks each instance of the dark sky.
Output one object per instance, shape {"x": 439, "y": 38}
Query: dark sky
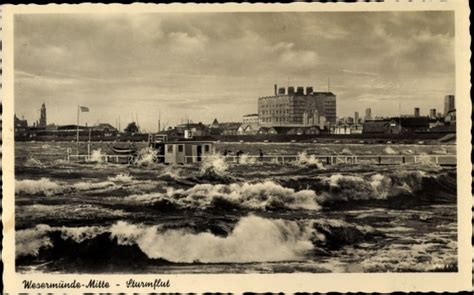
{"x": 216, "y": 65}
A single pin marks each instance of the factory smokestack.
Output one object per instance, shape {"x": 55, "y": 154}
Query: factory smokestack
{"x": 276, "y": 87}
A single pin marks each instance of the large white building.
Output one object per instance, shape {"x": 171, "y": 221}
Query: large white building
{"x": 288, "y": 108}
{"x": 250, "y": 119}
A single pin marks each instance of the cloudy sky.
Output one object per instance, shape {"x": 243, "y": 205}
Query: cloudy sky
{"x": 215, "y": 65}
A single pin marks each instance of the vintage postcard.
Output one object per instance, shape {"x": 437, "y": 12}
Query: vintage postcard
{"x": 237, "y": 147}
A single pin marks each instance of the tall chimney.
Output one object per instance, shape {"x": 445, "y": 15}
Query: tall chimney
{"x": 276, "y": 87}
{"x": 417, "y": 112}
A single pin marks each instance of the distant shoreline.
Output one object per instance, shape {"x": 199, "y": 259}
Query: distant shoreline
{"x": 275, "y": 139}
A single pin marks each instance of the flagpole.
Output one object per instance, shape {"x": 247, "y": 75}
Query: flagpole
{"x": 89, "y": 145}
{"x": 77, "y": 130}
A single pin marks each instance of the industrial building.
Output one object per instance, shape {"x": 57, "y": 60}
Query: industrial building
{"x": 21, "y": 127}
{"x": 250, "y": 119}
{"x": 368, "y": 114}
{"x": 417, "y": 112}
{"x": 297, "y": 107}
{"x": 448, "y": 104}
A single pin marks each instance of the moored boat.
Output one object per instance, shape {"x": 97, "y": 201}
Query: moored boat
{"x": 123, "y": 150}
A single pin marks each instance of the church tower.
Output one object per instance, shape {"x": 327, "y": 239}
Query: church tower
{"x": 42, "y": 122}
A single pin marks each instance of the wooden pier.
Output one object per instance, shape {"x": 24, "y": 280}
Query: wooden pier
{"x": 117, "y": 159}
{"x": 442, "y": 160}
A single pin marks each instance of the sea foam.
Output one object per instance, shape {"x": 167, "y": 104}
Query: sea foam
{"x": 305, "y": 160}
{"x": 45, "y": 186}
{"x": 259, "y": 196}
{"x": 214, "y": 164}
{"x": 253, "y": 239}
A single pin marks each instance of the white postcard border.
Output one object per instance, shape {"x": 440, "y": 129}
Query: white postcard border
{"x": 341, "y": 282}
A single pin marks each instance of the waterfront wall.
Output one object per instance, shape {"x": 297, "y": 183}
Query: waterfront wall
{"x": 343, "y": 138}
{"x": 346, "y": 138}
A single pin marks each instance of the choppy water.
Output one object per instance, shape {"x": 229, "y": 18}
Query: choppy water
{"x": 221, "y": 217}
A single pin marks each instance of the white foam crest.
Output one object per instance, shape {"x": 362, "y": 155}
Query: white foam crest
{"x": 408, "y": 152}
{"x": 144, "y": 198}
{"x": 146, "y": 157}
{"x": 246, "y": 159}
{"x": 80, "y": 234}
{"x": 441, "y": 151}
{"x": 33, "y": 162}
{"x": 42, "y": 185}
{"x": 69, "y": 211}
{"x": 254, "y": 239}
{"x": 172, "y": 172}
{"x": 419, "y": 257}
{"x": 121, "y": 177}
{"x": 346, "y": 151}
{"x": 305, "y": 160}
{"x": 97, "y": 156}
{"x": 30, "y": 241}
{"x": 377, "y": 186}
{"x": 327, "y": 224}
{"x": 427, "y": 160}
{"x": 380, "y": 185}
{"x": 59, "y": 162}
{"x": 390, "y": 151}
{"x": 258, "y": 196}
{"x": 49, "y": 188}
{"x": 215, "y": 163}
{"x": 85, "y": 186}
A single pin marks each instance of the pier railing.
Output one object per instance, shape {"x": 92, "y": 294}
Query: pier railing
{"x": 444, "y": 160}
{"x": 449, "y": 160}
{"x": 119, "y": 159}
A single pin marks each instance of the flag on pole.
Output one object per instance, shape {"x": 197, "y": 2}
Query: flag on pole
{"x": 84, "y": 109}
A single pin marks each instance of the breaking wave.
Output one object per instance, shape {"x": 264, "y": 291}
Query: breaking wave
{"x": 146, "y": 157}
{"x": 259, "y": 196}
{"x": 393, "y": 186}
{"x": 97, "y": 156}
{"x": 45, "y": 186}
{"x": 408, "y": 152}
{"x": 246, "y": 159}
{"x": 122, "y": 177}
{"x": 441, "y": 151}
{"x": 377, "y": 186}
{"x": 278, "y": 240}
{"x": 251, "y": 239}
{"x": 390, "y": 151}
{"x": 310, "y": 193}
{"x": 214, "y": 164}
{"x": 346, "y": 151}
{"x": 309, "y": 161}
{"x": 30, "y": 241}
{"x": 33, "y": 162}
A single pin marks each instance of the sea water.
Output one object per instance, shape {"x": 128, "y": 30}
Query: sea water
{"x": 223, "y": 217}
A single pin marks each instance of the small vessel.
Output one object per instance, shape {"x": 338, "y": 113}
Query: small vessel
{"x": 123, "y": 150}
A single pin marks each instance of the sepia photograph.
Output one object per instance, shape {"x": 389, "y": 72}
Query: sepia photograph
{"x": 235, "y": 142}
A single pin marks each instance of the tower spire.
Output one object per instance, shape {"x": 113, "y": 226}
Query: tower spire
{"x": 42, "y": 121}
